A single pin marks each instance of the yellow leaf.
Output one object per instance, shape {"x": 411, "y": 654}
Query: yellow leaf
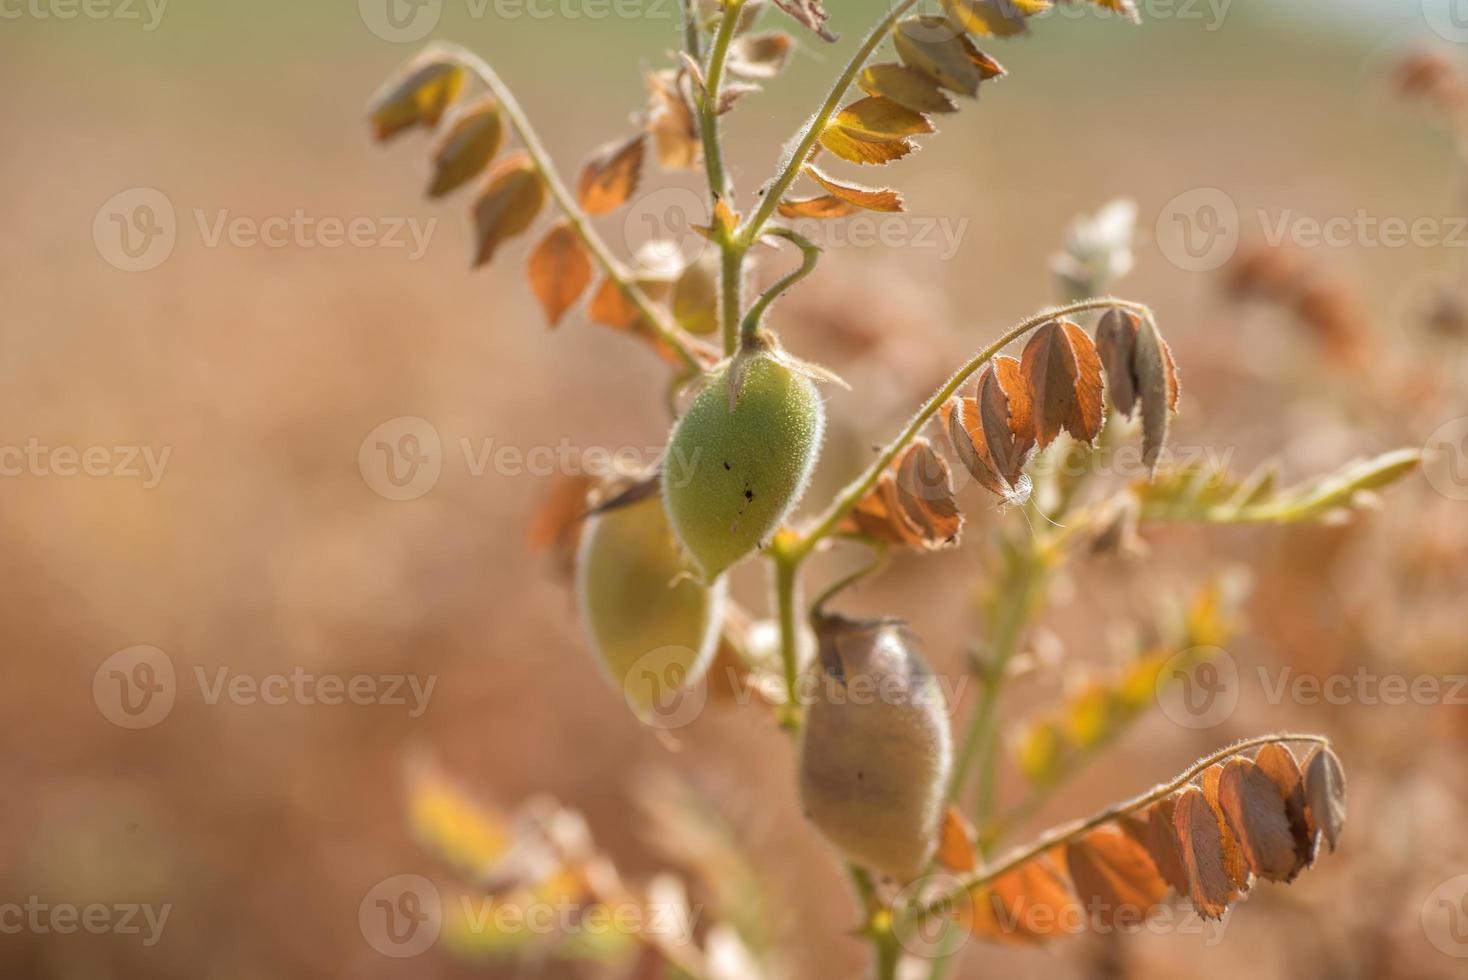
{"x": 610, "y": 177}
{"x": 932, "y": 47}
{"x": 993, "y": 18}
{"x": 511, "y": 199}
{"x": 880, "y": 120}
{"x": 871, "y": 198}
{"x": 856, "y": 150}
{"x": 560, "y": 270}
{"x": 418, "y": 96}
{"x": 825, "y": 206}
{"x": 905, "y": 86}
{"x": 471, "y": 138}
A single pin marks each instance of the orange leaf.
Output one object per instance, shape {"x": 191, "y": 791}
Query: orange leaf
{"x": 1063, "y": 374}
{"x": 1255, "y": 813}
{"x": 1115, "y": 880}
{"x": 871, "y": 198}
{"x": 955, "y": 842}
{"x": 824, "y": 206}
{"x": 560, "y": 271}
{"x": 610, "y": 177}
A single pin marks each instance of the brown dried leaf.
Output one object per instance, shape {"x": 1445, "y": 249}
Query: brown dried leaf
{"x": 512, "y": 197}
{"x": 470, "y": 140}
{"x": 610, "y": 176}
{"x": 1201, "y": 842}
{"x": 924, "y": 496}
{"x": 560, "y": 271}
{"x": 824, "y": 206}
{"x": 987, "y": 66}
{"x": 1325, "y": 796}
{"x": 611, "y": 308}
{"x": 1278, "y": 763}
{"x": 1139, "y": 368}
{"x": 1255, "y": 813}
{"x": 1115, "y": 880}
{"x": 1234, "y": 865}
{"x": 905, "y": 86}
{"x": 875, "y": 514}
{"x": 809, "y": 13}
{"x": 871, "y": 198}
{"x": 956, "y": 843}
{"x": 417, "y": 97}
{"x": 671, "y": 121}
{"x": 1163, "y": 845}
{"x": 731, "y": 93}
{"x": 991, "y": 440}
{"x": 1116, "y": 342}
{"x": 1032, "y": 903}
{"x": 856, "y": 150}
{"x": 1062, "y": 372}
{"x": 931, "y": 47}
{"x": 760, "y": 55}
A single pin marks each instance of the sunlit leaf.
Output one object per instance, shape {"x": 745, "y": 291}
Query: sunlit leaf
{"x": 931, "y": 47}
{"x": 560, "y": 271}
{"x": 1063, "y": 373}
{"x": 610, "y": 176}
{"x": 760, "y": 55}
{"x": 471, "y": 138}
{"x": 511, "y": 199}
{"x": 824, "y": 206}
{"x": 418, "y": 97}
{"x": 906, "y": 86}
{"x": 870, "y": 198}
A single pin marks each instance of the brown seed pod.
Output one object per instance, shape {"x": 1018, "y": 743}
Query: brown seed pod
{"x": 875, "y": 752}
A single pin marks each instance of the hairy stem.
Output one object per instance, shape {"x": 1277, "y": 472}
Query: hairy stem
{"x": 708, "y": 102}
{"x": 1065, "y": 833}
{"x": 810, "y": 253}
{"x": 857, "y": 489}
{"x": 812, "y": 132}
{"x": 786, "y": 576}
{"x": 731, "y": 293}
{"x": 576, "y": 219}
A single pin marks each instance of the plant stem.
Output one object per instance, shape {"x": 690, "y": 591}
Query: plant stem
{"x": 731, "y": 293}
{"x": 1068, "y": 832}
{"x": 786, "y": 575}
{"x": 810, "y": 253}
{"x": 857, "y": 489}
{"x": 879, "y": 560}
{"x": 812, "y": 132}
{"x": 576, "y": 219}
{"x": 708, "y": 102}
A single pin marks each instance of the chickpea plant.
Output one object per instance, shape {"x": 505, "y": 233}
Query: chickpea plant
{"x": 910, "y": 807}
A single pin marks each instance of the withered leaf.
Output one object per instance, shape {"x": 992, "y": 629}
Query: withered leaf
{"x": 854, "y": 149}
{"x": 1032, "y": 903}
{"x": 824, "y": 206}
{"x": 610, "y": 177}
{"x": 875, "y": 514}
{"x": 1114, "y": 879}
{"x": 990, "y": 437}
{"x": 512, "y": 197}
{"x": 1325, "y": 795}
{"x": 611, "y": 308}
{"x": 955, "y": 843}
{"x": 1139, "y": 368}
{"x": 560, "y": 271}
{"x": 1063, "y": 374}
{"x": 671, "y": 121}
{"x": 931, "y": 47}
{"x": 1278, "y": 763}
{"x": 417, "y": 97}
{"x": 1116, "y": 342}
{"x": 1233, "y": 854}
{"x": 1255, "y": 813}
{"x": 1201, "y": 842}
{"x": 905, "y": 86}
{"x": 870, "y": 198}
{"x": 811, "y": 14}
{"x": 994, "y": 18}
{"x": 760, "y": 55}
{"x": 1127, "y": 8}
{"x": 924, "y": 496}
{"x": 987, "y": 66}
{"x": 731, "y": 92}
{"x": 880, "y": 120}
{"x": 1163, "y": 845}
{"x": 471, "y": 139}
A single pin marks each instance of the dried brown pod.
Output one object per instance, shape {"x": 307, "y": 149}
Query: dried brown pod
{"x": 1063, "y": 373}
{"x": 1256, "y": 815}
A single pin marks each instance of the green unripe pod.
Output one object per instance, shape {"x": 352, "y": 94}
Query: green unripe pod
{"x": 653, "y": 627}
{"x": 740, "y": 457}
{"x": 875, "y": 752}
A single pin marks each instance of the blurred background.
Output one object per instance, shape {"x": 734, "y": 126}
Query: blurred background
{"x": 195, "y": 373}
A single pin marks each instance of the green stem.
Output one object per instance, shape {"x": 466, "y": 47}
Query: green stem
{"x": 813, "y": 129}
{"x": 731, "y": 293}
{"x": 878, "y": 562}
{"x": 786, "y": 576}
{"x": 576, "y": 219}
{"x": 708, "y": 102}
{"x": 810, "y": 253}
{"x": 857, "y": 489}
{"x": 1064, "y": 834}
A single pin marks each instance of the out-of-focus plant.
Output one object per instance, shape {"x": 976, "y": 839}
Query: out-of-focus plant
{"x": 879, "y": 772}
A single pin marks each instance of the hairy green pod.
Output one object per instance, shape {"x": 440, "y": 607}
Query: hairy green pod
{"x": 738, "y": 460}
{"x": 875, "y": 752}
{"x": 653, "y": 627}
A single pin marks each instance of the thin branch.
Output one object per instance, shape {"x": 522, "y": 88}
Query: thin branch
{"x": 879, "y": 561}
{"x": 708, "y": 102}
{"x": 810, "y": 253}
{"x": 576, "y": 219}
{"x": 858, "y": 488}
{"x": 1065, "y": 833}
{"x": 812, "y": 132}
